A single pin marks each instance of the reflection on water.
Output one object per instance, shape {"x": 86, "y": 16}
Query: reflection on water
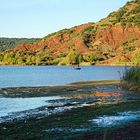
{"x": 119, "y": 119}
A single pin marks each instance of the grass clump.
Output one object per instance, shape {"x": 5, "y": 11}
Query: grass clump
{"x": 132, "y": 75}
{"x": 131, "y": 79}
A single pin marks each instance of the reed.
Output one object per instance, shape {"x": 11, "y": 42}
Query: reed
{"x": 131, "y": 79}
{"x": 132, "y": 75}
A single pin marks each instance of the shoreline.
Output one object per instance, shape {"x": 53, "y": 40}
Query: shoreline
{"x": 69, "y": 89}
{"x": 123, "y": 65}
{"x": 84, "y": 101}
{"x": 80, "y": 83}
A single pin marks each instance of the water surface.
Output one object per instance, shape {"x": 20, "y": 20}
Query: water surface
{"x": 118, "y": 119}
{"x": 10, "y": 105}
{"x": 23, "y": 76}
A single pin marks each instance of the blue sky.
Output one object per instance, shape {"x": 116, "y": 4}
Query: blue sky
{"x": 37, "y": 18}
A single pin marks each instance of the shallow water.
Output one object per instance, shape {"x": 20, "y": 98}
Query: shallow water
{"x": 23, "y": 76}
{"x": 9, "y": 106}
{"x": 115, "y": 120}
{"x": 40, "y": 107}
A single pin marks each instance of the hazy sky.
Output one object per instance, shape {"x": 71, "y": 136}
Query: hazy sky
{"x": 37, "y": 18}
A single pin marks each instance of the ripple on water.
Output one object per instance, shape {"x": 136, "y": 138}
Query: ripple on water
{"x": 114, "y": 120}
{"x": 73, "y": 130}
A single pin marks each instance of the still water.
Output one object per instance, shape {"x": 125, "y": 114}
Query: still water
{"x": 23, "y": 76}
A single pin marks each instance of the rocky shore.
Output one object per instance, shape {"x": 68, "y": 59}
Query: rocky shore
{"x": 85, "y": 110}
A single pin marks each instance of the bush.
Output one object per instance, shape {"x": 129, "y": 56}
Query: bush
{"x": 119, "y": 15}
{"x": 136, "y": 10}
{"x": 136, "y": 58}
{"x": 128, "y": 48}
{"x": 134, "y": 19}
{"x": 87, "y": 35}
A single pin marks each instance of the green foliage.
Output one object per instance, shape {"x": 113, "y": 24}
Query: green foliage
{"x": 132, "y": 75}
{"x": 137, "y": 1}
{"x": 87, "y": 35}
{"x": 104, "y": 25}
{"x": 19, "y": 61}
{"x": 108, "y": 51}
{"x": 134, "y": 19}
{"x": 120, "y": 14}
{"x": 79, "y": 58}
{"x": 37, "y": 60}
{"x": 93, "y": 58}
{"x": 129, "y": 45}
{"x": 74, "y": 57}
{"x": 128, "y": 48}
{"x": 8, "y": 43}
{"x": 136, "y": 58}
{"x": 23, "y": 58}
{"x": 28, "y": 60}
{"x": 126, "y": 15}
{"x": 136, "y": 10}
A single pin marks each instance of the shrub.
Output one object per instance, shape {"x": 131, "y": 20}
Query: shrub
{"x": 120, "y": 14}
{"x": 135, "y": 19}
{"x": 87, "y": 35}
{"x": 128, "y": 48}
{"x": 136, "y": 58}
{"x": 136, "y": 10}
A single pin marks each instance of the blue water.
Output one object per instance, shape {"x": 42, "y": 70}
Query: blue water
{"x": 22, "y": 76}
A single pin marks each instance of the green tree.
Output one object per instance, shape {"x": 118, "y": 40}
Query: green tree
{"x": 19, "y": 61}
{"x": 136, "y": 58}
{"x": 28, "y": 60}
{"x": 37, "y": 60}
{"x": 72, "y": 56}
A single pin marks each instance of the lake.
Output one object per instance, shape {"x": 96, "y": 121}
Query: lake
{"x": 30, "y": 76}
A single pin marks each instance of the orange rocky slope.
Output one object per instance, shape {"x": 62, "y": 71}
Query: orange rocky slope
{"x": 112, "y": 39}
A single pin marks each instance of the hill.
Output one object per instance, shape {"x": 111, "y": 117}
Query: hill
{"x": 115, "y": 40}
{"x": 8, "y": 43}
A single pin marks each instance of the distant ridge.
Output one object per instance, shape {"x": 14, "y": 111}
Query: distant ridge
{"x": 8, "y": 43}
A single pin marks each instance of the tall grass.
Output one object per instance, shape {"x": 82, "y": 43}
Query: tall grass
{"x": 132, "y": 75}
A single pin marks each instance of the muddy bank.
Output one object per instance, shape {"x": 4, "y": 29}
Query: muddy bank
{"x": 74, "y": 88}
